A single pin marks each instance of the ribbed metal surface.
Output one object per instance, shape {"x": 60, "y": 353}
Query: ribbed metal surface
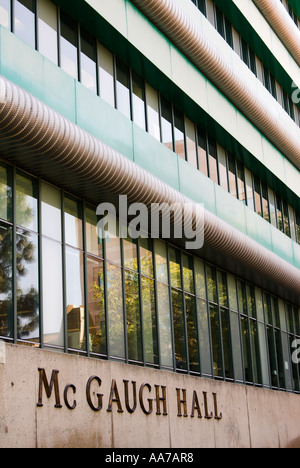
{"x": 48, "y": 137}
{"x": 175, "y": 23}
{"x": 282, "y": 24}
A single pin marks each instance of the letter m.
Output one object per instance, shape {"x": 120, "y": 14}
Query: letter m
{"x": 49, "y": 387}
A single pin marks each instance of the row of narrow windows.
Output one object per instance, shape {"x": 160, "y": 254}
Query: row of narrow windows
{"x": 242, "y": 48}
{"x": 85, "y": 59}
{"x": 65, "y": 286}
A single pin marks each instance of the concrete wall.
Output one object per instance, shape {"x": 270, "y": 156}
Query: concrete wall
{"x": 251, "y": 417}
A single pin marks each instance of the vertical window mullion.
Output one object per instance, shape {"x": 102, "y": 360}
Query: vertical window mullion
{"x": 14, "y": 252}
{"x": 40, "y": 265}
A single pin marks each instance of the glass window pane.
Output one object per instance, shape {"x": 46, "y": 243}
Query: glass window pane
{"x": 164, "y": 319}
{"x": 115, "y": 312}
{"x": 149, "y": 321}
{"x": 166, "y": 123}
{"x": 279, "y": 212}
{"x": 75, "y": 299}
{"x": 212, "y": 283}
{"x": 26, "y": 203}
{"x": 27, "y": 286}
{"x": 138, "y": 101}
{"x": 51, "y": 212}
{"x": 222, "y": 167}
{"x": 146, "y": 257}
{"x": 179, "y": 133}
{"x": 241, "y": 182}
{"x": 242, "y": 297}
{"x": 112, "y": 243}
{"x": 232, "y": 292}
{"x": 5, "y": 194}
{"x": 213, "y": 164}
{"x": 265, "y": 202}
{"x": 257, "y": 194}
{"x": 53, "y": 322}
{"x": 106, "y": 74}
{"x": 152, "y": 112}
{"x": 255, "y": 352}
{"x": 222, "y": 288}
{"x": 191, "y": 142}
{"x": 226, "y": 341}
{"x": 216, "y": 340}
{"x": 5, "y": 13}
{"x": 123, "y": 87}
{"x": 249, "y": 189}
{"x": 192, "y": 331}
{"x": 236, "y": 347}
{"x": 97, "y": 323}
{"x": 48, "y": 30}
{"x": 203, "y": 321}
{"x": 202, "y": 152}
{"x": 130, "y": 254}
{"x": 133, "y": 316}
{"x": 232, "y": 175}
{"x": 298, "y": 226}
{"x": 179, "y": 329}
{"x": 68, "y": 46}
{"x": 287, "y": 230}
{"x": 73, "y": 223}
{"x": 188, "y": 274}
{"x": 24, "y": 20}
{"x": 200, "y": 278}
{"x": 6, "y": 294}
{"x": 175, "y": 270}
{"x": 251, "y": 301}
{"x": 88, "y": 61}
{"x": 272, "y": 207}
{"x": 94, "y": 242}
{"x": 246, "y": 349}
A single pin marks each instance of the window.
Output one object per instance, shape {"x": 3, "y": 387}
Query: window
{"x": 153, "y": 112}
{"x": 106, "y": 75}
{"x": 53, "y": 322}
{"x": 232, "y": 176}
{"x": 47, "y": 27}
{"x": 202, "y": 151}
{"x": 148, "y": 303}
{"x": 27, "y": 260}
{"x": 179, "y": 133}
{"x": 163, "y": 305}
{"x": 5, "y": 193}
{"x": 138, "y": 101}
{"x": 166, "y": 123}
{"x": 257, "y": 196}
{"x": 178, "y": 310}
{"x": 5, "y": 13}
{"x": 213, "y": 160}
{"x": 88, "y": 53}
{"x": 74, "y": 259}
{"x": 191, "y": 142}
{"x": 223, "y": 168}
{"x": 24, "y": 21}
{"x": 241, "y": 182}
{"x": 123, "y": 88}
{"x": 69, "y": 45}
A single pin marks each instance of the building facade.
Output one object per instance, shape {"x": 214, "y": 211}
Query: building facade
{"x": 112, "y": 339}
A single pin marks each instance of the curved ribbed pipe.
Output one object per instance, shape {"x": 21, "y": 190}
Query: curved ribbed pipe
{"x": 282, "y": 24}
{"x": 31, "y": 124}
{"x": 175, "y": 23}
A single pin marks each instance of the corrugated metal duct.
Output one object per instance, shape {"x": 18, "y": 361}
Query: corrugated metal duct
{"x": 282, "y": 24}
{"x": 45, "y": 136}
{"x": 175, "y": 24}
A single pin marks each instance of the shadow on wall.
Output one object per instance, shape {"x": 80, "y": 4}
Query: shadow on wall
{"x": 294, "y": 444}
